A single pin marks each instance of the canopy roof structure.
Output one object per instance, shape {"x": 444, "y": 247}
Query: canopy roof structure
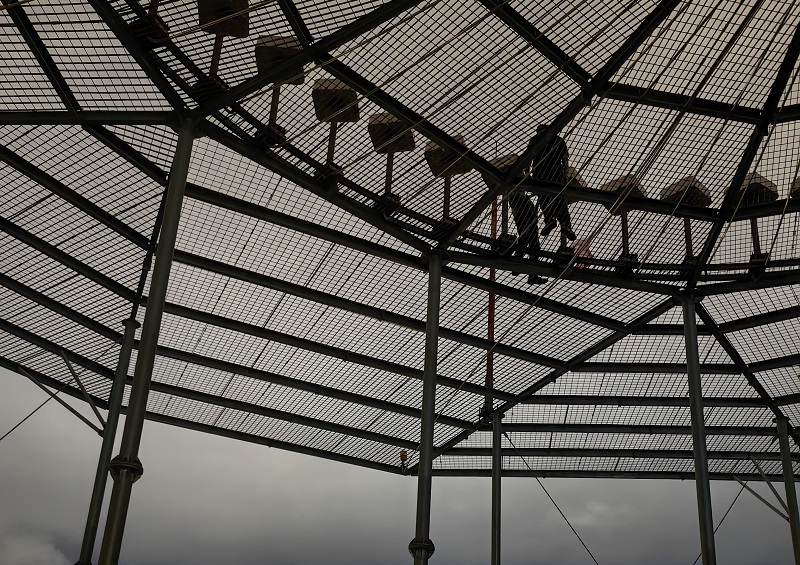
{"x": 296, "y": 308}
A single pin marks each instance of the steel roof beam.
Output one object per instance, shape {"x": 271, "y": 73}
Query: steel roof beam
{"x": 299, "y": 384}
{"x": 272, "y": 162}
{"x": 747, "y": 371}
{"x": 593, "y": 88}
{"x": 86, "y": 117}
{"x": 615, "y": 91}
{"x": 622, "y": 453}
{"x": 125, "y": 293}
{"x": 340, "y": 37}
{"x": 277, "y": 444}
{"x": 59, "y": 308}
{"x": 334, "y": 236}
{"x": 65, "y": 193}
{"x": 605, "y": 279}
{"x": 225, "y": 366}
{"x": 665, "y": 368}
{"x": 637, "y": 429}
{"x": 282, "y": 415}
{"x": 601, "y": 474}
{"x": 120, "y": 29}
{"x": 789, "y": 113}
{"x": 103, "y": 371}
{"x": 67, "y": 260}
{"x": 205, "y": 428}
{"x": 598, "y": 347}
{"x": 527, "y": 31}
{"x": 681, "y": 103}
{"x": 776, "y": 363}
{"x": 329, "y": 351}
{"x": 39, "y": 50}
{"x": 668, "y": 329}
{"x": 766, "y": 209}
{"x": 768, "y": 116}
{"x": 746, "y": 282}
{"x": 354, "y": 307}
{"x": 772, "y": 317}
{"x": 665, "y": 401}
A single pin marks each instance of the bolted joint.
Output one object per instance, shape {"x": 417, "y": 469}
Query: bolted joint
{"x": 421, "y": 549}
{"x": 120, "y": 464}
{"x": 426, "y": 257}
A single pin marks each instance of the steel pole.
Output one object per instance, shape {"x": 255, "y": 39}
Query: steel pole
{"x": 421, "y": 547}
{"x": 698, "y": 434}
{"x": 126, "y": 467}
{"x": 107, "y": 447}
{"x": 497, "y": 472}
{"x": 788, "y": 483}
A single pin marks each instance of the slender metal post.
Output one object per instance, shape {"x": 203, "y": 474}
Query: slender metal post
{"x": 273, "y": 107}
{"x": 331, "y": 143}
{"x": 387, "y": 186}
{"x": 126, "y": 467}
{"x": 216, "y": 54}
{"x": 754, "y": 235}
{"x": 446, "y": 206}
{"x": 626, "y": 247}
{"x": 504, "y": 217}
{"x": 788, "y": 483}
{"x": 421, "y": 547}
{"x": 497, "y": 472}
{"x": 687, "y": 234}
{"x": 698, "y": 434}
{"x": 107, "y": 447}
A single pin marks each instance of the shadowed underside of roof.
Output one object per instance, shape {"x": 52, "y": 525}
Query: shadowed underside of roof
{"x": 296, "y": 306}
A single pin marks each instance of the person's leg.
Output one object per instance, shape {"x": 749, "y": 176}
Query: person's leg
{"x": 562, "y": 213}
{"x": 548, "y": 204}
{"x": 524, "y": 213}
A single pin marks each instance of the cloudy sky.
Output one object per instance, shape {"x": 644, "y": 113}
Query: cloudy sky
{"x": 208, "y": 500}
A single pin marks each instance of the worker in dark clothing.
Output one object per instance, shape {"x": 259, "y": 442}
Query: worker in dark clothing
{"x": 525, "y": 217}
{"x": 550, "y": 164}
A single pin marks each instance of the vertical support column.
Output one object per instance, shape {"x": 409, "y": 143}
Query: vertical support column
{"x": 421, "y": 547}
{"x": 698, "y": 434}
{"x": 788, "y": 483}
{"x": 126, "y": 467}
{"x": 107, "y": 447}
{"x": 497, "y": 473}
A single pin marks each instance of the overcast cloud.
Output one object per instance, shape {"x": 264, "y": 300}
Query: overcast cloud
{"x": 208, "y": 500}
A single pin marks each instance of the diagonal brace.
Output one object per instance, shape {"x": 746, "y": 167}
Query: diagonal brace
{"x": 761, "y": 498}
{"x": 769, "y": 483}
{"x": 83, "y": 389}
{"x": 58, "y": 399}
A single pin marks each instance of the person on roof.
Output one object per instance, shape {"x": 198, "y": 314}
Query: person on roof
{"x": 550, "y": 164}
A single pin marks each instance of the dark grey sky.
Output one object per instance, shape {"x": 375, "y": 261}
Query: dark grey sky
{"x": 208, "y": 500}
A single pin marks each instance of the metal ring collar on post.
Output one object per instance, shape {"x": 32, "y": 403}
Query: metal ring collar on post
{"x": 421, "y": 549}
{"x": 119, "y": 464}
